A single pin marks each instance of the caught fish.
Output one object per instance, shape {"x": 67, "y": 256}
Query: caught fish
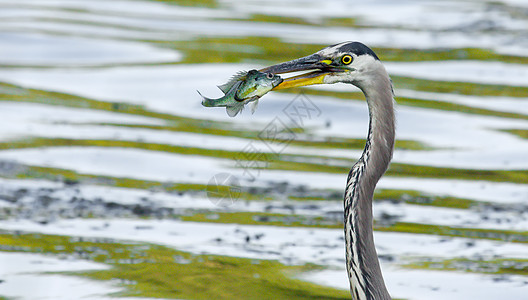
{"x": 241, "y": 89}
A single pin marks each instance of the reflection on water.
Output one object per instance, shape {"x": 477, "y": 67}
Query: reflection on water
{"x": 101, "y": 121}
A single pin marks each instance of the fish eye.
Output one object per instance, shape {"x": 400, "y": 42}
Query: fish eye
{"x": 269, "y": 76}
{"x": 346, "y": 59}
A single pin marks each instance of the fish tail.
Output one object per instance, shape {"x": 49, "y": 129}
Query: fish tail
{"x": 207, "y": 102}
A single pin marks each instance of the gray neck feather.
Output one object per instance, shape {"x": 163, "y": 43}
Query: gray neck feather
{"x": 366, "y": 280}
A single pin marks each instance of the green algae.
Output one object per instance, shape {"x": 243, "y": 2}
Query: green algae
{"x": 289, "y": 162}
{"x": 254, "y": 218}
{"x": 149, "y": 270}
{"x": 413, "y": 102}
{"x": 268, "y": 219}
{"x": 347, "y": 143}
{"x": 278, "y": 19}
{"x": 494, "y": 266}
{"x": 199, "y": 3}
{"x": 269, "y": 49}
{"x": 418, "y": 198}
{"x": 474, "y": 233}
{"x": 463, "y": 88}
{"x": 522, "y": 133}
{"x": 266, "y": 50}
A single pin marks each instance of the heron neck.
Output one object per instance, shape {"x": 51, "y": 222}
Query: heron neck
{"x": 366, "y": 280}
{"x": 381, "y": 135}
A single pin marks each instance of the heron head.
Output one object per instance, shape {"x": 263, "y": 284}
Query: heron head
{"x": 350, "y": 62}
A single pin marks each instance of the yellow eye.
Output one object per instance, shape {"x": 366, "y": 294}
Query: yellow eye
{"x": 346, "y": 59}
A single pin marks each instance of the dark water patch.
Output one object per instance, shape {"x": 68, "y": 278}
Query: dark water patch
{"x": 46, "y": 205}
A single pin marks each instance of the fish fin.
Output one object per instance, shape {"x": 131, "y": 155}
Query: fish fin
{"x": 254, "y": 105}
{"x": 226, "y": 87}
{"x": 234, "y": 110}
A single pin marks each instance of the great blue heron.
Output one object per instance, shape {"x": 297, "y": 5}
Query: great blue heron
{"x": 355, "y": 63}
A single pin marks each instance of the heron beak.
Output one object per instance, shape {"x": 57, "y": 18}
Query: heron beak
{"x": 319, "y": 66}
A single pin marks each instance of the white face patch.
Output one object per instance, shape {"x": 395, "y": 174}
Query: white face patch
{"x": 364, "y": 63}
{"x": 362, "y": 68}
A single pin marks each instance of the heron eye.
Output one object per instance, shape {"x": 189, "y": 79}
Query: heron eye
{"x": 346, "y": 59}
{"x": 269, "y": 76}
